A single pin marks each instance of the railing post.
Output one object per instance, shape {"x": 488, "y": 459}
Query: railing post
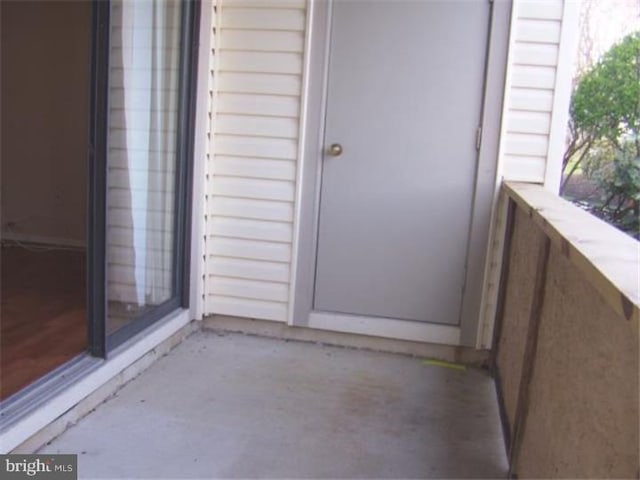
{"x": 537, "y": 302}
{"x": 499, "y": 316}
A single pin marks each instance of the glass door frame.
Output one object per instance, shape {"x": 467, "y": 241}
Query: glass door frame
{"x": 100, "y": 344}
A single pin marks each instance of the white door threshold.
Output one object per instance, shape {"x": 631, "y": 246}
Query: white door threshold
{"x": 386, "y": 327}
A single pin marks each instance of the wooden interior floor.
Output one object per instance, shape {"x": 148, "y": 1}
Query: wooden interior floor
{"x": 42, "y": 313}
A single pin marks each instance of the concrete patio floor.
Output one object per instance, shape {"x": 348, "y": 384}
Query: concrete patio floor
{"x": 233, "y": 405}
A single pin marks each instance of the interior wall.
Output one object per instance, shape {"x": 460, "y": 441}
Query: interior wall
{"x": 45, "y": 81}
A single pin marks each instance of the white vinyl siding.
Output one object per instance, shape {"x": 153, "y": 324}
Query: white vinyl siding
{"x": 253, "y": 156}
{"x": 542, "y": 46}
{"x": 120, "y": 252}
{"x": 535, "y": 46}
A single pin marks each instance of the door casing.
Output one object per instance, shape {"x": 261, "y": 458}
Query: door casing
{"x": 310, "y": 171}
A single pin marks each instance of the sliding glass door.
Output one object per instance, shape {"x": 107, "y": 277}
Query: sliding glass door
{"x": 143, "y": 151}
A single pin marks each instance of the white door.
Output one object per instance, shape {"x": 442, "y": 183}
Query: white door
{"x": 404, "y": 103}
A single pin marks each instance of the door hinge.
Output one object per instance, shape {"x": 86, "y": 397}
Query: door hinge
{"x": 478, "y": 137}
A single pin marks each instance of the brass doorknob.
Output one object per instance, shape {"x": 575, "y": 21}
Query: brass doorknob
{"x": 335, "y": 150}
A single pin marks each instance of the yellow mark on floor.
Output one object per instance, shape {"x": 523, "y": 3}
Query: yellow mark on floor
{"x": 444, "y": 364}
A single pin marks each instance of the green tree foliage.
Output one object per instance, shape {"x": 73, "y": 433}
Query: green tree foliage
{"x": 605, "y": 132}
{"x": 619, "y": 182}
{"x": 606, "y": 102}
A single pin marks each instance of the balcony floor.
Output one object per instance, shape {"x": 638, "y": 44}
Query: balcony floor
{"x": 233, "y": 405}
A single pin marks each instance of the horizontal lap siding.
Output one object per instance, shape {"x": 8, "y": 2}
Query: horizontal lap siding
{"x": 123, "y": 158}
{"x": 119, "y": 236}
{"x": 256, "y": 98}
{"x": 534, "y": 56}
{"x": 253, "y": 156}
{"x": 541, "y": 33}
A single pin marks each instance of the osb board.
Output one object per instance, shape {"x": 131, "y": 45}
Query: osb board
{"x": 583, "y": 412}
{"x": 607, "y": 258}
{"x": 518, "y": 297}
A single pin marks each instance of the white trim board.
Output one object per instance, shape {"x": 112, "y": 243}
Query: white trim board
{"x": 386, "y": 327}
{"x": 42, "y": 240}
{"x": 302, "y": 142}
{"x": 126, "y": 355}
{"x": 199, "y": 174}
{"x": 565, "y": 69}
{"x": 493, "y": 259}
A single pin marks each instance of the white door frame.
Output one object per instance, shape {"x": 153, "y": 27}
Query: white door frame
{"x": 308, "y": 190}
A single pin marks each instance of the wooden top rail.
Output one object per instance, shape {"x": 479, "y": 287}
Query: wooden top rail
{"x": 608, "y": 258}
